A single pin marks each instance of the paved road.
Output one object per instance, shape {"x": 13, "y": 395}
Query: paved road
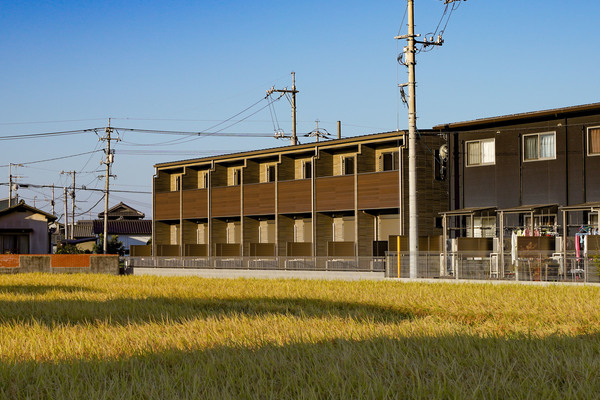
{"x": 263, "y": 274}
{"x": 323, "y": 275}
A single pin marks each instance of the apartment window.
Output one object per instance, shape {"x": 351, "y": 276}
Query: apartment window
{"x": 202, "y": 180}
{"x": 306, "y": 169}
{"x": 540, "y": 221}
{"x": 388, "y": 161}
{"x": 348, "y": 165}
{"x": 594, "y": 141}
{"x": 175, "y": 183}
{"x": 271, "y": 173}
{"x": 237, "y": 177}
{"x": 481, "y": 152}
{"x": 539, "y": 146}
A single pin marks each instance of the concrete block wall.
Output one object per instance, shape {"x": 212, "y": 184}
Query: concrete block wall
{"x": 59, "y": 263}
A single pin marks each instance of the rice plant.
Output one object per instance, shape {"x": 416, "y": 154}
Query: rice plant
{"x": 142, "y": 337}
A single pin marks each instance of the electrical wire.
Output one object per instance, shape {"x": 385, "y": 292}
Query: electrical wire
{"x": 54, "y": 159}
{"x": 46, "y": 134}
{"x": 51, "y": 122}
{"x": 91, "y": 208}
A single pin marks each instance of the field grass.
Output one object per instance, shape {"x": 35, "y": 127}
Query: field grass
{"x": 92, "y": 336}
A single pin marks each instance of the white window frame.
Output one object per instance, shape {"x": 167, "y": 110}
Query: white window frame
{"x": 343, "y": 162}
{"x": 304, "y": 163}
{"x": 588, "y": 142}
{"x": 539, "y": 157}
{"x": 395, "y": 163}
{"x": 480, "y": 163}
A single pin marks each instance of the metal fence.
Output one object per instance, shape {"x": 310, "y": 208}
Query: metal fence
{"x": 555, "y": 268}
{"x": 358, "y": 264}
{"x": 474, "y": 266}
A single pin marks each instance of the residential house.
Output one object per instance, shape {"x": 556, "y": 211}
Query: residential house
{"x": 25, "y": 230}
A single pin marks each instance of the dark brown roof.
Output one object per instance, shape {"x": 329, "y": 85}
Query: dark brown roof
{"x": 83, "y": 229}
{"x": 122, "y": 211}
{"x": 522, "y": 117}
{"x": 392, "y": 135}
{"x": 125, "y": 227}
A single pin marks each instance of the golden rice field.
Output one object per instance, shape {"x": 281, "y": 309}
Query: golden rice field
{"x": 141, "y": 337}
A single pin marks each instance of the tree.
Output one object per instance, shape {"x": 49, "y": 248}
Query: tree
{"x": 113, "y": 246}
{"x": 68, "y": 249}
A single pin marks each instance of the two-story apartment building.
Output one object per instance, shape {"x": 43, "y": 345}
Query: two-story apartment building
{"x": 533, "y": 174}
{"x": 342, "y": 197}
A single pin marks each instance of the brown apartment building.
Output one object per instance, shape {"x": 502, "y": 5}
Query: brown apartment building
{"x": 342, "y": 197}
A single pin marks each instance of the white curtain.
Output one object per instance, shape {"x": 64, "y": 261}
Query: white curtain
{"x": 473, "y": 153}
{"x": 488, "y": 153}
{"x": 547, "y": 146}
{"x": 594, "y": 141}
{"x": 531, "y": 147}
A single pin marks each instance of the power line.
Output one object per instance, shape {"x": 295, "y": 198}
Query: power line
{"x": 27, "y": 185}
{"x": 56, "y": 158}
{"x": 52, "y": 122}
{"x": 47, "y": 134}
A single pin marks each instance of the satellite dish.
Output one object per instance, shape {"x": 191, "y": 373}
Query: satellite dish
{"x": 444, "y": 152}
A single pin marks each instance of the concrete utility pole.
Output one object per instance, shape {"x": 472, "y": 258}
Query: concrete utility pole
{"x": 72, "y": 230}
{"x": 10, "y": 182}
{"x": 66, "y": 215}
{"x": 409, "y": 52}
{"x": 108, "y": 162}
{"x": 52, "y": 203}
{"x": 413, "y": 229}
{"x": 286, "y": 91}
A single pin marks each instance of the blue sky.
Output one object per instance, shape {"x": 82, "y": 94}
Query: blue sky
{"x": 187, "y": 65}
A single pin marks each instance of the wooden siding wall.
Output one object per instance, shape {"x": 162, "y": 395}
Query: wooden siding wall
{"x": 251, "y": 174}
{"x": 195, "y": 203}
{"x": 226, "y": 201}
{"x": 324, "y": 233}
{"x": 324, "y": 164}
{"x": 162, "y": 233}
{"x": 335, "y": 193}
{"x": 295, "y": 196}
{"x": 366, "y": 234}
{"x": 366, "y": 160}
{"x": 286, "y": 233}
{"x": 162, "y": 182}
{"x": 432, "y": 194}
{"x": 250, "y": 234}
{"x": 378, "y": 190}
{"x": 218, "y": 177}
{"x": 285, "y": 170}
{"x": 190, "y": 232}
{"x": 219, "y": 231}
{"x": 259, "y": 199}
{"x": 190, "y": 179}
{"x": 166, "y": 206}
